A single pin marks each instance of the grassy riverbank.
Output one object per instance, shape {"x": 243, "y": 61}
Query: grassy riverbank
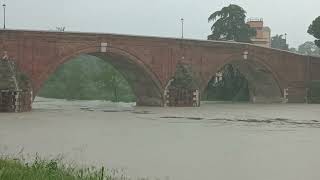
{"x": 13, "y": 169}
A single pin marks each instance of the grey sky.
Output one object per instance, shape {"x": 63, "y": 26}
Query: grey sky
{"x": 158, "y": 17}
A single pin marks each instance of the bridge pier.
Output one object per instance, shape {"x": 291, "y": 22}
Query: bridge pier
{"x": 313, "y": 92}
{"x": 15, "y": 95}
{"x": 296, "y": 94}
{"x": 149, "y": 101}
{"x": 15, "y": 101}
{"x": 266, "y": 100}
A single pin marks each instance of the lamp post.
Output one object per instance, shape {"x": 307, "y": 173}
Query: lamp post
{"x": 4, "y": 16}
{"x": 182, "y": 21}
{"x": 285, "y": 42}
{"x": 285, "y": 36}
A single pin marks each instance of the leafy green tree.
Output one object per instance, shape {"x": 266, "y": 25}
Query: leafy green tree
{"x": 87, "y": 78}
{"x": 314, "y": 30}
{"x": 229, "y": 24}
{"x": 113, "y": 81}
{"x": 294, "y": 50}
{"x": 232, "y": 87}
{"x": 183, "y": 77}
{"x": 279, "y": 42}
{"x": 309, "y": 48}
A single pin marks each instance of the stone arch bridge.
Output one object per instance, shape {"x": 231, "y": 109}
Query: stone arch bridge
{"x": 149, "y": 63}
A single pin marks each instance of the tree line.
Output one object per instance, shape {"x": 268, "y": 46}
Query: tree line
{"x": 87, "y": 78}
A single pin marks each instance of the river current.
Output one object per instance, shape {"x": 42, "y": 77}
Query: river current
{"x": 222, "y": 141}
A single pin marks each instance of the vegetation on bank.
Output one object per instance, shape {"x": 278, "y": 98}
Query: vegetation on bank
{"x": 232, "y": 87}
{"x": 87, "y": 78}
{"x": 184, "y": 78}
{"x": 13, "y": 169}
{"x": 314, "y": 30}
{"x": 229, "y": 23}
{"x": 307, "y": 48}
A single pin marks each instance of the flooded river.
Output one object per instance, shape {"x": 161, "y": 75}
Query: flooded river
{"x": 220, "y": 141}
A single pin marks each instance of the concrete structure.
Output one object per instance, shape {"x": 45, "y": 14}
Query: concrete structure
{"x": 149, "y": 63}
{"x": 263, "y": 36}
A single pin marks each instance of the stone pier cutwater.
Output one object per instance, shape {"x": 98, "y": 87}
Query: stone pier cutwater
{"x": 15, "y": 91}
{"x": 314, "y": 92}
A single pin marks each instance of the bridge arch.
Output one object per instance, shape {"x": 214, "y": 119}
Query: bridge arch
{"x": 263, "y": 83}
{"x": 144, "y": 83}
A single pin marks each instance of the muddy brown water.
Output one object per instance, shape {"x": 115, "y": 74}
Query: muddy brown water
{"x": 216, "y": 141}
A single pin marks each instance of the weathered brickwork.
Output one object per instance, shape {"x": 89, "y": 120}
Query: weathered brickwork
{"x": 149, "y": 63}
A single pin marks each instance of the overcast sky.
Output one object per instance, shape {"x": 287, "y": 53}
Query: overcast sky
{"x": 158, "y": 17}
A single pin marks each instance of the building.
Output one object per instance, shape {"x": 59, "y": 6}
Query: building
{"x": 263, "y": 36}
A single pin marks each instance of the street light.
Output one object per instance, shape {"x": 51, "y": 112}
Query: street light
{"x": 285, "y": 36}
{"x": 182, "y": 21}
{"x": 4, "y": 16}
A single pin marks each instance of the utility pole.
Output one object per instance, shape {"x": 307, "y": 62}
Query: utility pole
{"x": 4, "y": 16}
{"x": 182, "y": 24}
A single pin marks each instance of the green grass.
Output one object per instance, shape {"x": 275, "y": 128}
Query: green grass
{"x": 16, "y": 169}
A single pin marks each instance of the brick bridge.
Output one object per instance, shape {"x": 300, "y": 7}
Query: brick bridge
{"x": 149, "y": 63}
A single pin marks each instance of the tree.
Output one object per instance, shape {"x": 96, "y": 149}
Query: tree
{"x": 314, "y": 30}
{"x": 229, "y": 24}
{"x": 112, "y": 80}
{"x": 87, "y": 78}
{"x": 61, "y": 29}
{"x": 294, "y": 50}
{"x": 309, "y": 48}
{"x": 183, "y": 77}
{"x": 232, "y": 87}
{"x": 279, "y": 42}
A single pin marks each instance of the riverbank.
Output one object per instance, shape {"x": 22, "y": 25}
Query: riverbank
{"x": 17, "y": 169}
